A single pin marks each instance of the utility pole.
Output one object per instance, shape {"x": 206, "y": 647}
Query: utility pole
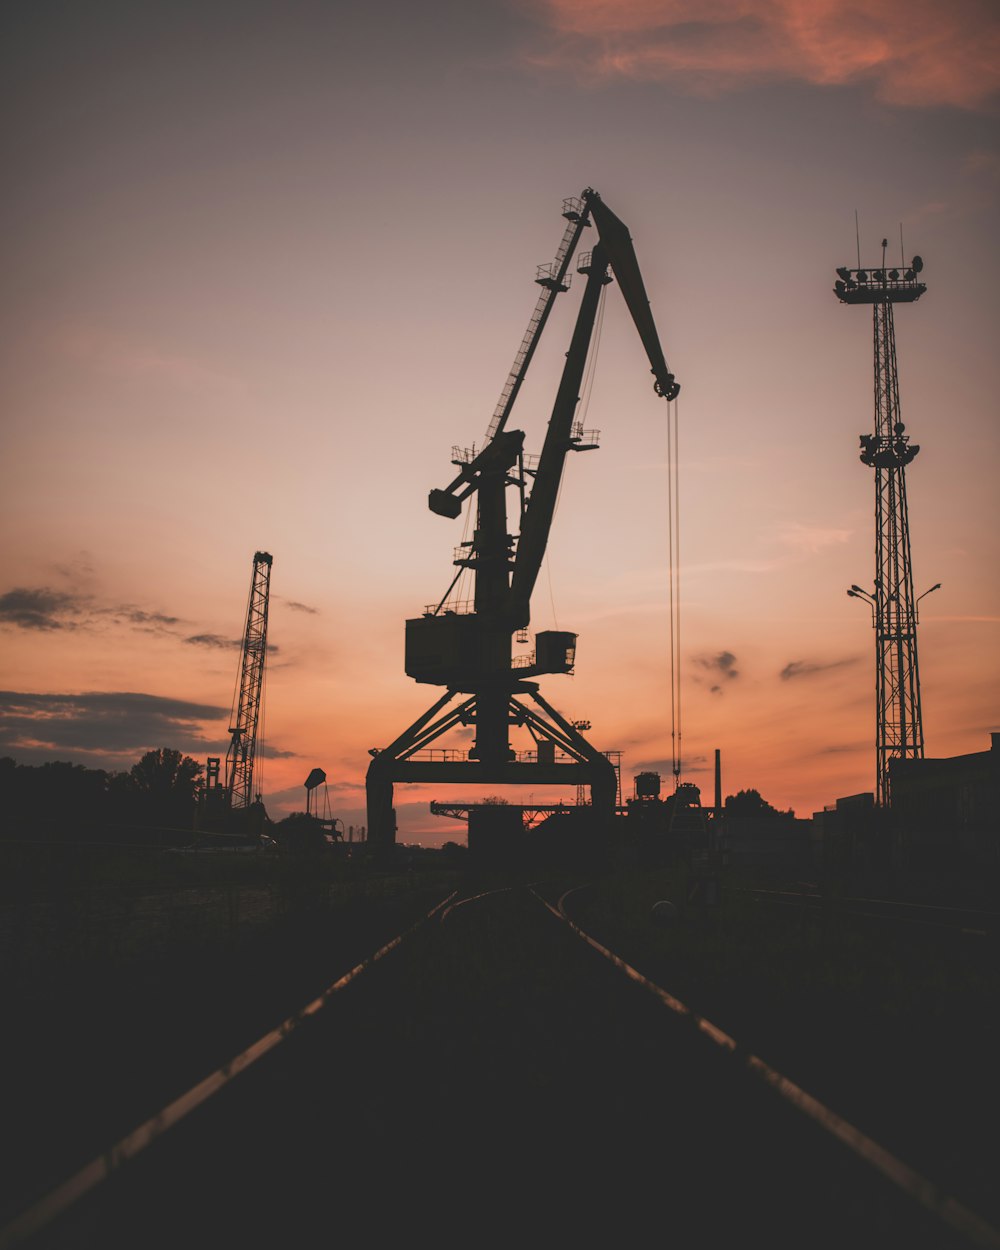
{"x": 899, "y": 728}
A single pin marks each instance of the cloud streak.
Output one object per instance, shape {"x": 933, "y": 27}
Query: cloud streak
{"x": 217, "y": 641}
{"x": 722, "y": 665}
{"x": 811, "y": 539}
{"x": 121, "y": 356}
{"x": 809, "y": 668}
{"x": 40, "y": 608}
{"x": 103, "y": 723}
{"x": 911, "y": 52}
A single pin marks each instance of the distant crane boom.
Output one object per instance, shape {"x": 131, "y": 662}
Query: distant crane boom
{"x": 241, "y": 756}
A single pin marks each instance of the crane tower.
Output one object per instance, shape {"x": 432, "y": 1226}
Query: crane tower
{"x": 467, "y": 646}
{"x": 228, "y": 803}
{"x": 242, "y": 753}
{"x": 899, "y": 728}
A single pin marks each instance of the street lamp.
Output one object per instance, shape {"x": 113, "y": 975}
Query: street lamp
{"x": 855, "y": 592}
{"x": 916, "y": 613}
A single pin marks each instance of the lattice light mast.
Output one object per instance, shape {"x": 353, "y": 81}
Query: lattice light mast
{"x": 899, "y": 728}
{"x": 246, "y": 711}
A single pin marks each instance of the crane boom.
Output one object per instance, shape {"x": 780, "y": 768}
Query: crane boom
{"x": 614, "y": 249}
{"x": 621, "y": 254}
{"x": 552, "y": 280}
{"x": 541, "y": 506}
{"x": 243, "y": 730}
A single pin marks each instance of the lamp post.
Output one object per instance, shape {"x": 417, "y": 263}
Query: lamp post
{"x": 855, "y": 592}
{"x": 916, "y": 614}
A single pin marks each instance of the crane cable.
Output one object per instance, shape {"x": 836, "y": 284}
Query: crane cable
{"x": 674, "y": 576}
{"x": 258, "y": 755}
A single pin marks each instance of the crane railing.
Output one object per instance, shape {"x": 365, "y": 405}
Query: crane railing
{"x": 552, "y": 279}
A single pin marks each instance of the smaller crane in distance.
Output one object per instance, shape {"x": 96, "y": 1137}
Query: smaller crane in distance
{"x": 232, "y": 806}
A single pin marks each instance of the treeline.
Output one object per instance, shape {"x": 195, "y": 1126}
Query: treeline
{"x": 749, "y": 804}
{"x": 68, "y": 800}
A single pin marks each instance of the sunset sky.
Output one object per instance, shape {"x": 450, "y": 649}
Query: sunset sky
{"x": 264, "y": 264}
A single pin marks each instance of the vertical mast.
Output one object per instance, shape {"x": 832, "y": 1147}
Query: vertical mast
{"x": 899, "y": 726}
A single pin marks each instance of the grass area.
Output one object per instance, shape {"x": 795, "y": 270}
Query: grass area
{"x": 745, "y": 949}
{"x": 892, "y": 1025}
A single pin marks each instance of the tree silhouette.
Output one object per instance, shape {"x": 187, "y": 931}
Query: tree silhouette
{"x": 301, "y": 834}
{"x": 165, "y": 785}
{"x": 749, "y": 803}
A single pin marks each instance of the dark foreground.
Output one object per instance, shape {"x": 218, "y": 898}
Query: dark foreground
{"x": 493, "y": 1080}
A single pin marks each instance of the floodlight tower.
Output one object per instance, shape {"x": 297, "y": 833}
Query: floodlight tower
{"x": 899, "y": 729}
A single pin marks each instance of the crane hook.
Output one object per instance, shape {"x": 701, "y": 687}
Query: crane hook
{"x": 671, "y": 391}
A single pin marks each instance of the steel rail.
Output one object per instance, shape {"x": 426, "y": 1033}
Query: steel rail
{"x": 915, "y": 1186}
{"x": 506, "y": 889}
{"x": 58, "y": 1200}
{"x": 853, "y": 907}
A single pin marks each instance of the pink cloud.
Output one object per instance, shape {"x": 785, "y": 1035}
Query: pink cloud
{"x": 913, "y": 52}
{"x": 121, "y": 356}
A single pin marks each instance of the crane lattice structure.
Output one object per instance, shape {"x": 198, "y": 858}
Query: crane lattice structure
{"x": 467, "y": 647}
{"x": 899, "y": 727}
{"x": 242, "y": 753}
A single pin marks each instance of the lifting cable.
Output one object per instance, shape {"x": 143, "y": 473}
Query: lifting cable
{"x": 258, "y": 750}
{"x": 674, "y": 577}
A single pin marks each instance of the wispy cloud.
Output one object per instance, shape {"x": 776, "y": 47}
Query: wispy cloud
{"x": 301, "y": 607}
{"x": 225, "y": 644}
{"x": 275, "y": 753}
{"x": 720, "y": 666}
{"x": 44, "y": 609}
{"x": 983, "y": 163}
{"x": 39, "y": 608}
{"x": 912, "y": 52}
{"x": 214, "y": 640}
{"x": 810, "y": 539}
{"x": 101, "y": 723}
{"x": 148, "y": 622}
{"x": 809, "y": 668}
{"x": 119, "y": 355}
{"x": 844, "y": 748}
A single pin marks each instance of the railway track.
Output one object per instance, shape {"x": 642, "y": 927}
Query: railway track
{"x": 488, "y": 1075}
{"x": 961, "y": 921}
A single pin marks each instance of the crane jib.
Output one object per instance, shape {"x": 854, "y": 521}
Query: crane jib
{"x": 618, "y": 244}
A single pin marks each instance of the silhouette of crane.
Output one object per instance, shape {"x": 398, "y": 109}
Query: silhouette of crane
{"x": 233, "y": 802}
{"x": 467, "y": 648}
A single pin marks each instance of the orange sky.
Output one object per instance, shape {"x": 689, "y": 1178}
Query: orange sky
{"x": 264, "y": 271}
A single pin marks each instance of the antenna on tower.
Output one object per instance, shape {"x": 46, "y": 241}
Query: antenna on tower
{"x": 857, "y": 235}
